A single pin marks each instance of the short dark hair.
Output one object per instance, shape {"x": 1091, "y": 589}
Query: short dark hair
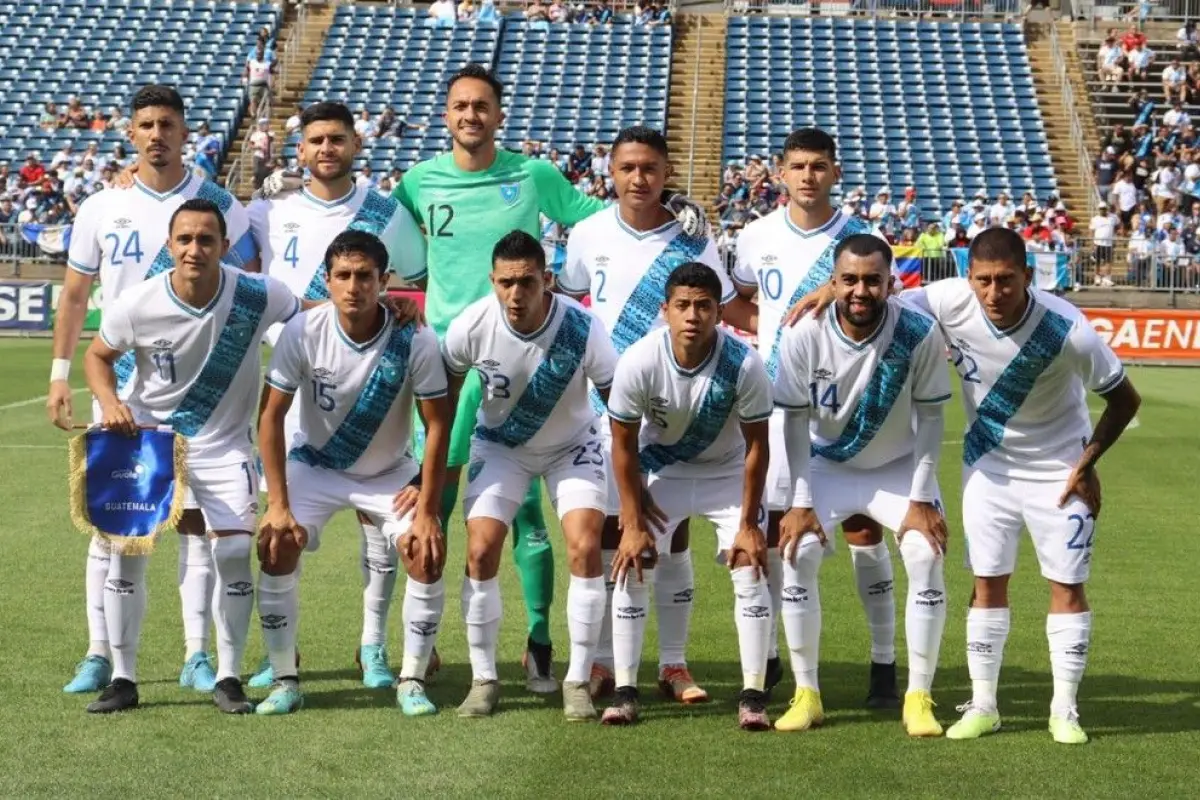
{"x": 998, "y": 244}
{"x": 519, "y": 246}
{"x": 640, "y": 134}
{"x": 695, "y": 275}
{"x": 479, "y": 73}
{"x": 864, "y": 245}
{"x": 357, "y": 243}
{"x": 810, "y": 140}
{"x": 157, "y": 95}
{"x": 326, "y": 111}
{"x": 199, "y": 205}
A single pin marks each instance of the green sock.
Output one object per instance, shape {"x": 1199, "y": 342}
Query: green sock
{"x": 535, "y": 562}
{"x": 449, "y": 501}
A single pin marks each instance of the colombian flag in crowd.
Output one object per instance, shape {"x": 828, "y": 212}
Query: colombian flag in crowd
{"x": 908, "y": 265}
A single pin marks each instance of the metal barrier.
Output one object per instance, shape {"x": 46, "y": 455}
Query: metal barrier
{"x": 15, "y": 250}
{"x": 950, "y": 9}
{"x": 1127, "y": 265}
{"x": 1163, "y": 11}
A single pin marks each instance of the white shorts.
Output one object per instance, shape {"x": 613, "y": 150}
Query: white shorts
{"x": 226, "y": 494}
{"x": 719, "y": 500}
{"x": 882, "y": 493}
{"x": 498, "y": 478}
{"x": 317, "y": 494}
{"x": 612, "y": 506}
{"x": 996, "y": 506}
{"x": 779, "y": 484}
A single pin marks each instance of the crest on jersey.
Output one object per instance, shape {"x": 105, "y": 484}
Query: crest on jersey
{"x": 509, "y": 192}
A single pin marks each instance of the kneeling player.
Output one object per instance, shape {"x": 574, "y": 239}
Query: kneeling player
{"x": 535, "y": 352}
{"x": 357, "y": 372}
{"x": 194, "y": 332}
{"x": 702, "y": 458}
{"x": 860, "y": 373}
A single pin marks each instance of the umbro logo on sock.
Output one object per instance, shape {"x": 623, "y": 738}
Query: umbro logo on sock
{"x": 631, "y": 612}
{"x": 882, "y": 587}
{"x": 423, "y": 628}
{"x": 239, "y": 589}
{"x": 119, "y": 586}
{"x": 1077, "y": 649}
{"x": 794, "y": 594}
{"x": 274, "y": 622}
{"x": 930, "y": 597}
{"x": 684, "y": 596}
{"x": 756, "y": 612}
{"x": 979, "y": 647}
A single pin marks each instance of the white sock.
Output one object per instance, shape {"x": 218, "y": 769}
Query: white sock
{"x": 752, "y": 613}
{"x": 874, "y": 577}
{"x": 925, "y": 609}
{"x": 379, "y": 583}
{"x": 1069, "y": 636}
{"x": 422, "y": 614}
{"x": 585, "y": 616}
{"x": 481, "y": 614}
{"x": 674, "y": 586}
{"x": 801, "y": 611}
{"x": 630, "y": 605}
{"x": 987, "y": 630}
{"x": 279, "y": 613}
{"x": 233, "y": 601}
{"x": 195, "y": 591}
{"x": 95, "y": 574}
{"x": 604, "y": 650}
{"x": 124, "y": 610}
{"x": 775, "y": 587}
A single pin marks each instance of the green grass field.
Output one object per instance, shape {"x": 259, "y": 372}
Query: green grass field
{"x": 1140, "y": 700}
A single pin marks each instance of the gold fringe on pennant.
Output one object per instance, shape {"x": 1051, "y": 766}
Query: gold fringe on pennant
{"x": 77, "y": 493}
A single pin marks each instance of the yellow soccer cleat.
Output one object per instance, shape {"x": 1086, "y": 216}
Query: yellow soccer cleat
{"x": 803, "y": 712}
{"x": 1066, "y": 729}
{"x": 974, "y": 723}
{"x": 918, "y": 714}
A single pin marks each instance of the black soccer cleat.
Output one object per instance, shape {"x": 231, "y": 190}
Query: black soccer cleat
{"x": 774, "y": 674}
{"x": 230, "y": 698}
{"x": 883, "y": 694}
{"x": 120, "y": 695}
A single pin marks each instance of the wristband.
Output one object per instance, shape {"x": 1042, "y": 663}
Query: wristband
{"x": 60, "y": 369}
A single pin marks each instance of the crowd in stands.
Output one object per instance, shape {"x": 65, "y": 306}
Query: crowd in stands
{"x": 447, "y": 13}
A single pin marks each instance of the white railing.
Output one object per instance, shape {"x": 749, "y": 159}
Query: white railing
{"x": 1083, "y": 162}
{"x": 952, "y": 9}
{"x": 695, "y": 103}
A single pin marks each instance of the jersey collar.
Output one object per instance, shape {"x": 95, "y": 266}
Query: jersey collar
{"x": 346, "y": 198}
{"x": 365, "y": 346}
{"x": 195, "y": 312}
{"x": 187, "y": 179}
{"x": 689, "y": 373}
{"x": 1009, "y": 331}
{"x": 640, "y": 235}
{"x": 832, "y": 316}
{"x": 796, "y": 229}
{"x": 541, "y": 329}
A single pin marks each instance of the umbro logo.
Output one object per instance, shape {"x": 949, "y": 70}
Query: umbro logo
{"x": 321, "y": 373}
{"x": 930, "y": 597}
{"x": 794, "y": 594}
{"x": 122, "y": 222}
{"x": 769, "y": 259}
{"x": 1078, "y": 649}
{"x": 756, "y": 612}
{"x": 822, "y": 374}
{"x": 979, "y": 647}
{"x": 239, "y": 589}
{"x": 291, "y": 227}
{"x": 423, "y": 628}
{"x": 684, "y": 596}
{"x": 882, "y": 587}
{"x": 163, "y": 344}
{"x": 274, "y": 622}
{"x": 119, "y": 586}
{"x": 490, "y": 363}
{"x": 961, "y": 345}
{"x": 631, "y": 612}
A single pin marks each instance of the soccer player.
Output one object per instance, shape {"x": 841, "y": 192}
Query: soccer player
{"x": 622, "y": 256}
{"x": 535, "y": 352}
{"x": 120, "y": 237}
{"x": 783, "y": 257}
{"x": 356, "y": 372}
{"x": 293, "y": 231}
{"x": 707, "y": 399}
{"x": 1025, "y": 359}
{"x": 194, "y": 333}
{"x": 860, "y": 374}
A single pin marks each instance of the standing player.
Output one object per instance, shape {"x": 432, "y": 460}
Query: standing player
{"x": 292, "y": 232}
{"x": 707, "y": 399}
{"x": 1025, "y": 358}
{"x": 622, "y": 256}
{"x": 861, "y": 373}
{"x": 357, "y": 373}
{"x": 120, "y": 237}
{"x": 783, "y": 257}
{"x": 535, "y": 352}
{"x": 194, "y": 333}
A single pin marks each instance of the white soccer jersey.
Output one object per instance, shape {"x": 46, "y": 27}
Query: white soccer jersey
{"x": 625, "y": 271}
{"x": 198, "y": 368}
{"x": 785, "y": 263}
{"x": 355, "y": 400}
{"x": 862, "y": 393}
{"x": 293, "y": 230}
{"x": 535, "y": 386}
{"x": 691, "y": 418}
{"x": 1023, "y": 387}
{"x": 120, "y": 235}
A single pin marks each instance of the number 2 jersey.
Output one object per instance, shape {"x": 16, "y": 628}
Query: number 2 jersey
{"x": 1023, "y": 387}
{"x": 861, "y": 394}
{"x": 355, "y": 400}
{"x": 534, "y": 386}
{"x": 120, "y": 235}
{"x": 691, "y": 419}
{"x": 198, "y": 368}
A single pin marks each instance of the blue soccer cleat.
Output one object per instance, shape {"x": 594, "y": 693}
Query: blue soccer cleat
{"x": 372, "y": 660}
{"x": 198, "y": 673}
{"x": 91, "y": 675}
{"x": 410, "y": 696}
{"x": 285, "y": 698}
{"x": 264, "y": 677}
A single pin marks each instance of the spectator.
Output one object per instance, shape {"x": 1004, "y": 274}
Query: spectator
{"x": 363, "y": 126}
{"x": 661, "y": 16}
{"x": 1139, "y": 59}
{"x": 50, "y": 120}
{"x": 978, "y": 225}
{"x": 1103, "y": 228}
{"x": 467, "y": 12}
{"x": 77, "y": 116}
{"x": 1186, "y": 39}
{"x": 1132, "y": 39}
{"x": 601, "y": 14}
{"x": 1176, "y": 117}
{"x": 1166, "y": 182}
{"x": 442, "y": 14}
{"x": 932, "y": 242}
{"x": 882, "y": 212}
{"x": 1125, "y": 196}
{"x": 581, "y": 165}
{"x": 293, "y": 122}
{"x": 1001, "y": 211}
{"x": 909, "y": 211}
{"x": 1174, "y": 81}
{"x": 366, "y": 178}
{"x": 265, "y": 38}
{"x": 1118, "y": 139}
{"x": 119, "y": 156}
{"x": 557, "y": 12}
{"x": 956, "y": 216}
{"x": 33, "y": 171}
{"x": 558, "y": 160}
{"x": 600, "y": 162}
{"x": 262, "y": 145}
{"x": 960, "y": 239}
{"x": 385, "y": 122}
{"x": 257, "y": 76}
{"x": 99, "y": 124}
{"x": 208, "y": 151}
{"x": 117, "y": 121}
{"x": 64, "y": 157}
{"x": 1139, "y": 256}
{"x": 536, "y": 12}
{"x": 724, "y": 202}
{"x": 385, "y": 186}
{"x": 488, "y": 12}
{"x": 1109, "y": 63}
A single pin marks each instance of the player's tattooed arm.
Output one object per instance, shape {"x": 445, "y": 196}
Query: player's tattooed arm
{"x": 1121, "y": 404}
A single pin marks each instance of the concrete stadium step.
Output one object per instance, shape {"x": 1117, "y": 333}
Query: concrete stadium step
{"x": 696, "y": 109}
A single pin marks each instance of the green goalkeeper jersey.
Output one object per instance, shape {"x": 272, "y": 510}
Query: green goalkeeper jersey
{"x": 465, "y": 213}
